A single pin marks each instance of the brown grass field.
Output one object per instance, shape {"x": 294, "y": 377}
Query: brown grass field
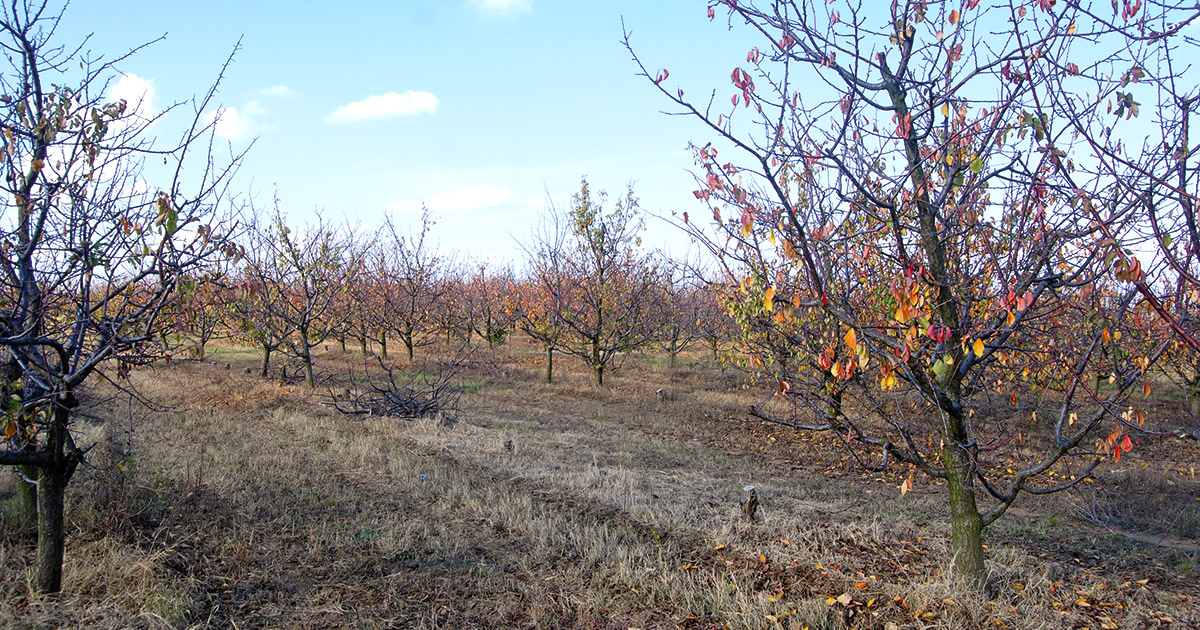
{"x": 242, "y": 502}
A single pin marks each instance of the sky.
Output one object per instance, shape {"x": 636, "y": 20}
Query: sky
{"x": 478, "y": 109}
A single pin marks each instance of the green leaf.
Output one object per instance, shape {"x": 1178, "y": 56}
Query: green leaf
{"x": 976, "y": 165}
{"x": 938, "y": 368}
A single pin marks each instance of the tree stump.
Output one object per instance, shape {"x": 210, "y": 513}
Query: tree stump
{"x": 750, "y": 502}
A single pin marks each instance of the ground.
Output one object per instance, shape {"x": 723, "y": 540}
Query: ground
{"x": 235, "y": 501}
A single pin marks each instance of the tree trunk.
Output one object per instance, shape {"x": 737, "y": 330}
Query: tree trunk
{"x": 407, "y": 338}
{"x": 383, "y": 344}
{"x": 266, "y": 362}
{"x": 26, "y": 505}
{"x": 549, "y": 364}
{"x": 1194, "y": 398}
{"x": 1193, "y": 389}
{"x": 673, "y": 353}
{"x": 342, "y": 340}
{"x": 306, "y": 354}
{"x": 966, "y": 525}
{"x": 597, "y": 366}
{"x": 48, "y": 577}
{"x": 713, "y": 342}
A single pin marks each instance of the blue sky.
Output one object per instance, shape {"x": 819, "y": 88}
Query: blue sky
{"x": 476, "y": 107}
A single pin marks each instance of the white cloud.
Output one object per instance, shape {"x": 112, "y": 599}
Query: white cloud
{"x": 389, "y": 105}
{"x": 231, "y": 124}
{"x": 138, "y": 94}
{"x": 254, "y": 109}
{"x": 458, "y": 200}
{"x": 503, "y": 7}
{"x": 277, "y": 90}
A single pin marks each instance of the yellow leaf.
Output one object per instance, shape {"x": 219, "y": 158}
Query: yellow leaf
{"x": 977, "y": 348}
{"x": 10, "y": 429}
{"x": 1071, "y": 30}
{"x": 769, "y": 299}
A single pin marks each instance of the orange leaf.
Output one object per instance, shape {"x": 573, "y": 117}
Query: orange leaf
{"x": 954, "y": 17}
{"x": 852, "y": 339}
{"x": 769, "y": 299}
{"x": 1146, "y": 388}
{"x": 1126, "y": 444}
{"x": 860, "y": 585}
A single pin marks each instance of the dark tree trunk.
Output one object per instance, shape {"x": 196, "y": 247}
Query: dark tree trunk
{"x": 597, "y": 366}
{"x": 549, "y": 364}
{"x": 48, "y": 576}
{"x": 266, "y": 361}
{"x": 966, "y": 524}
{"x": 383, "y": 344}
{"x": 26, "y": 506}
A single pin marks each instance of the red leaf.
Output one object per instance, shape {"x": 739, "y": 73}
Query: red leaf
{"x": 1126, "y": 444}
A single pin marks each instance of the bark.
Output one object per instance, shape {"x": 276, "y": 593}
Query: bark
{"x": 549, "y": 364}
{"x": 266, "y": 361}
{"x": 673, "y": 354}
{"x": 597, "y": 366}
{"x": 383, "y": 344}
{"x": 407, "y": 338}
{"x": 26, "y": 505}
{"x": 966, "y": 524}
{"x": 306, "y": 355}
{"x": 48, "y": 577}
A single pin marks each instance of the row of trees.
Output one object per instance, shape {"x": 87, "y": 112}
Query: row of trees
{"x": 963, "y": 233}
{"x": 589, "y": 290}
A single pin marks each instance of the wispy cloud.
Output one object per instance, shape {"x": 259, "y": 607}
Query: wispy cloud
{"x": 458, "y": 200}
{"x": 277, "y": 91}
{"x": 502, "y": 7}
{"x": 230, "y": 123}
{"x": 382, "y": 106}
{"x": 138, "y": 94}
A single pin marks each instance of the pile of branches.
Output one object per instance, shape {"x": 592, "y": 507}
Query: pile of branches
{"x": 415, "y": 393}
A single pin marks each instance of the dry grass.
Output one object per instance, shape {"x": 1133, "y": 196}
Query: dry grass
{"x": 246, "y": 503}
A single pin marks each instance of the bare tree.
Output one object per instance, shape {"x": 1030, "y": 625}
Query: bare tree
{"x": 412, "y": 287}
{"x": 302, "y": 276}
{"x": 93, "y": 252}
{"x": 589, "y": 267}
